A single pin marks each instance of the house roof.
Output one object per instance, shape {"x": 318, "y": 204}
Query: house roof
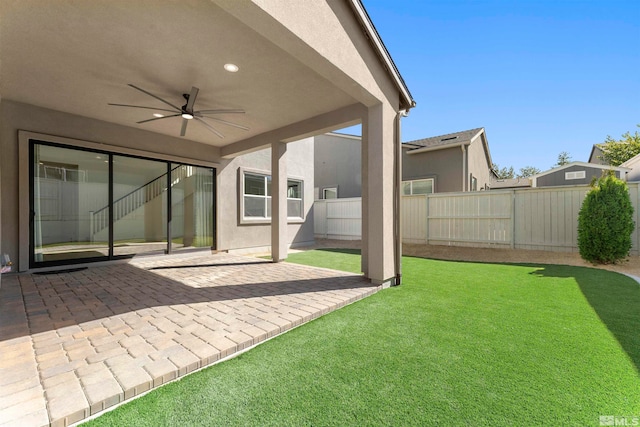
{"x": 583, "y": 164}
{"x": 631, "y": 162}
{"x": 443, "y": 141}
{"x": 381, "y": 49}
{"x": 510, "y": 183}
{"x": 449, "y": 140}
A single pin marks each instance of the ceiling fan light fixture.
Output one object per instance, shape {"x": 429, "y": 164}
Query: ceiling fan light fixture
{"x": 187, "y": 116}
{"x": 232, "y": 68}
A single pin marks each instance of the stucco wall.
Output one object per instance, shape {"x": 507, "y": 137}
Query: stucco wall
{"x": 557, "y": 178}
{"x": 478, "y": 163}
{"x": 17, "y": 116}
{"x": 443, "y": 165}
{"x": 234, "y": 235}
{"x": 338, "y": 163}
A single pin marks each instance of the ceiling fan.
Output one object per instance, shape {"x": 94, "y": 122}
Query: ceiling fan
{"x": 187, "y": 112}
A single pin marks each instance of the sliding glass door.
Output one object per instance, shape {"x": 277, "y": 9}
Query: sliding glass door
{"x": 68, "y": 186}
{"x": 139, "y": 206}
{"x": 192, "y": 192}
{"x": 90, "y": 205}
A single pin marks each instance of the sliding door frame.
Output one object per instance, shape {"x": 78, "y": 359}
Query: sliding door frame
{"x": 32, "y": 142}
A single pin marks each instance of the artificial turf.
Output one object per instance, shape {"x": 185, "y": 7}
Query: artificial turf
{"x": 456, "y": 344}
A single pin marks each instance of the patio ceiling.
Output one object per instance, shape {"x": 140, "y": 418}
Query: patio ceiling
{"x": 76, "y": 57}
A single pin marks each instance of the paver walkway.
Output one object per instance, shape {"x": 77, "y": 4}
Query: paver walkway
{"x": 73, "y": 344}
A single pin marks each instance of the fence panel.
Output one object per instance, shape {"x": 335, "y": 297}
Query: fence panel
{"x": 479, "y": 219}
{"x": 547, "y": 218}
{"x": 535, "y": 219}
{"x": 338, "y": 218}
{"x": 414, "y": 219}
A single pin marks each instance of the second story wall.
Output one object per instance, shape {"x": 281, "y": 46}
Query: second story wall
{"x": 444, "y": 166}
{"x": 478, "y": 165}
{"x": 338, "y": 164}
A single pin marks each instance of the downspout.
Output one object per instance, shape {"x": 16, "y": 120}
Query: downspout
{"x": 397, "y": 226}
{"x": 464, "y": 167}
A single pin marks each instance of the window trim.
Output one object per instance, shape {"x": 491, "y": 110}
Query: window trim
{"x": 568, "y": 176}
{"x": 243, "y": 220}
{"x": 411, "y": 181}
{"x": 324, "y": 194}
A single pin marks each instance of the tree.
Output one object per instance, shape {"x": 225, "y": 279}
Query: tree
{"x": 605, "y": 221}
{"x": 503, "y": 173}
{"x": 528, "y": 171}
{"x": 616, "y": 152}
{"x": 563, "y": 159}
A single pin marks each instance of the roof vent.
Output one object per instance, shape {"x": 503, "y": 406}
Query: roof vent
{"x": 449, "y": 139}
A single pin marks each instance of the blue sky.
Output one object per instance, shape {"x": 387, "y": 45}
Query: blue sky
{"x": 540, "y": 76}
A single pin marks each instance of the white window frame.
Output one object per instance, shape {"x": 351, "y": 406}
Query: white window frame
{"x": 267, "y": 198}
{"x": 324, "y": 192}
{"x": 575, "y": 175}
{"x": 410, "y": 182}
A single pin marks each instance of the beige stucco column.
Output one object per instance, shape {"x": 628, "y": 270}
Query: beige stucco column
{"x": 278, "y": 201}
{"x": 378, "y": 129}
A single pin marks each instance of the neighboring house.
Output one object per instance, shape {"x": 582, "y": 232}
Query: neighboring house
{"x": 454, "y": 162}
{"x": 337, "y": 171}
{"x": 510, "y": 183}
{"x": 596, "y": 155}
{"x": 84, "y": 181}
{"x": 575, "y": 173}
{"x": 633, "y": 164}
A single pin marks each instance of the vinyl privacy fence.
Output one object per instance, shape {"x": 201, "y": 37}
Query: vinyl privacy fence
{"x": 537, "y": 219}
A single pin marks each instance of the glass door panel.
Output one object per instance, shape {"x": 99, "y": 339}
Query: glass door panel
{"x": 139, "y": 206}
{"x": 191, "y": 207}
{"x": 69, "y": 188}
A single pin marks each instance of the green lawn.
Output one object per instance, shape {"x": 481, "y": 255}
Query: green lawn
{"x": 456, "y": 344}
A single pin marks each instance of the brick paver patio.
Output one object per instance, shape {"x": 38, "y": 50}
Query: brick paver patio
{"x": 73, "y": 344}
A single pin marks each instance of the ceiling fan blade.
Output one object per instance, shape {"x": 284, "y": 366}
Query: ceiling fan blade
{"x": 235, "y": 125}
{"x": 183, "y": 130}
{"x": 192, "y": 98}
{"x": 220, "y": 111}
{"x": 208, "y": 126}
{"x": 158, "y": 118}
{"x": 140, "y": 106}
{"x": 154, "y": 96}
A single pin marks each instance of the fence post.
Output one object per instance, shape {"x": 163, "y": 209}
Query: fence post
{"x": 513, "y": 219}
{"x": 326, "y": 219}
{"x": 426, "y": 229}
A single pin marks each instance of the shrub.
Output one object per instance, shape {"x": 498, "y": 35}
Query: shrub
{"x": 605, "y": 221}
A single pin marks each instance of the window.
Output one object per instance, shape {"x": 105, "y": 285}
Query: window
{"x": 330, "y": 193}
{"x": 418, "y": 186}
{"x": 575, "y": 175}
{"x": 294, "y": 199}
{"x": 474, "y": 183}
{"x": 257, "y": 197}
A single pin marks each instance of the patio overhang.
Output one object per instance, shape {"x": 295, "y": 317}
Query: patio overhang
{"x": 305, "y": 68}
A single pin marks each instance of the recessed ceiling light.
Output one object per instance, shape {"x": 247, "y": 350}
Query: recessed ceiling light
{"x": 187, "y": 116}
{"x": 232, "y": 68}
{"x": 158, "y": 115}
